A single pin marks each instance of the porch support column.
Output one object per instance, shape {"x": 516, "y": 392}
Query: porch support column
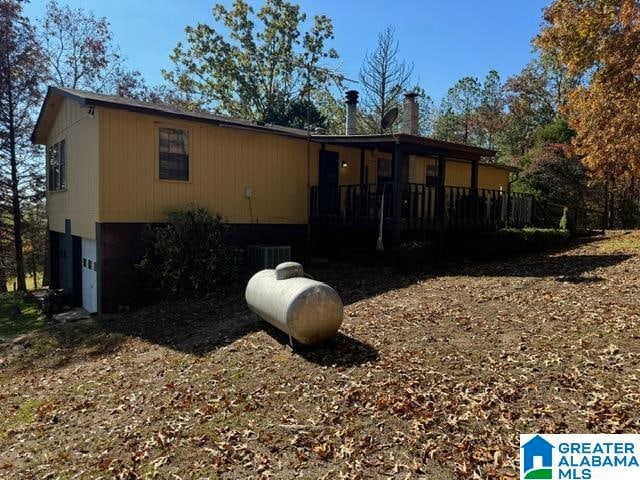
{"x": 474, "y": 176}
{"x": 441, "y": 194}
{"x": 397, "y": 194}
{"x": 441, "y": 197}
{"x": 475, "y": 208}
{"x": 363, "y": 185}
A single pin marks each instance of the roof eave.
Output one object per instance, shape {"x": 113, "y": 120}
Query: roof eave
{"x": 36, "y": 127}
{"x": 484, "y": 152}
{"x": 35, "y": 139}
{"x": 149, "y": 110}
{"x": 407, "y": 139}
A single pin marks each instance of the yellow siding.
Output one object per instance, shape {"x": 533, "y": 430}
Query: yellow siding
{"x": 458, "y": 174}
{"x": 79, "y": 202}
{"x": 493, "y": 178}
{"x": 418, "y": 168}
{"x": 223, "y": 161}
{"x": 122, "y": 145}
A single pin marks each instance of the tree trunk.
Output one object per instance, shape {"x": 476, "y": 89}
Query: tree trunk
{"x": 15, "y": 197}
{"x": 612, "y": 210}
{"x": 3, "y": 266}
{"x": 3, "y": 277}
{"x": 34, "y": 269}
{"x": 605, "y": 212}
{"x": 46, "y": 272}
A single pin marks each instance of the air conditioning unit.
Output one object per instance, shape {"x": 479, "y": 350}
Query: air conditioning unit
{"x": 267, "y": 256}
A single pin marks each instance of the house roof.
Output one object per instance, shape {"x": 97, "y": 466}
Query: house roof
{"x": 411, "y": 143}
{"x": 86, "y": 98}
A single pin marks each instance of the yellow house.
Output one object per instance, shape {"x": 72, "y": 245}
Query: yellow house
{"x": 115, "y": 165}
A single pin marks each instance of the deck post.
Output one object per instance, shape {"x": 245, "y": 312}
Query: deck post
{"x": 474, "y": 175}
{"x": 474, "y": 191}
{"x": 441, "y": 195}
{"x": 361, "y": 200}
{"x": 396, "y": 196}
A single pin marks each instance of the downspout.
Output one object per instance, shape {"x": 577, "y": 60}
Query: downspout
{"x": 396, "y": 196}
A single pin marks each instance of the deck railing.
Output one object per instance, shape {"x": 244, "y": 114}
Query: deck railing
{"x": 464, "y": 208}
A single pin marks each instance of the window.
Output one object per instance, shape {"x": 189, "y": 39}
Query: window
{"x": 385, "y": 170}
{"x": 57, "y": 170}
{"x": 432, "y": 172}
{"x": 174, "y": 154}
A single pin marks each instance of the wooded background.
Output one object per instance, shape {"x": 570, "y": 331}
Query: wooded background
{"x": 569, "y": 119}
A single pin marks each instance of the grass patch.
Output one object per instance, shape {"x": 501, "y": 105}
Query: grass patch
{"x": 30, "y": 283}
{"x": 27, "y": 320}
{"x": 24, "y": 415}
{"x": 623, "y": 243}
{"x": 56, "y": 345}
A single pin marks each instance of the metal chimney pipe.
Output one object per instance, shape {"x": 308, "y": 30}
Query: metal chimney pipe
{"x": 352, "y": 112}
{"x": 411, "y": 114}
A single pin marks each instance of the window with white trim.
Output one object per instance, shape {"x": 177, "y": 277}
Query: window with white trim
{"x": 57, "y": 167}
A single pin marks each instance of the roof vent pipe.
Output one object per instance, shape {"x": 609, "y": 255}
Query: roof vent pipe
{"x": 410, "y": 114}
{"x": 352, "y": 112}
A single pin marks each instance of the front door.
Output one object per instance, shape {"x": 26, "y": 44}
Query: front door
{"x": 328, "y": 183}
{"x": 89, "y": 276}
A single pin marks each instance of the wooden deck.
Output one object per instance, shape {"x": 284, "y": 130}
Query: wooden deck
{"x": 422, "y": 207}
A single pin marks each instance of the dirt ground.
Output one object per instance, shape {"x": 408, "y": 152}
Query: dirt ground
{"x": 432, "y": 376}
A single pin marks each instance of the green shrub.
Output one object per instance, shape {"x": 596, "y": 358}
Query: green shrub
{"x": 189, "y": 254}
{"x": 527, "y": 240}
{"x": 413, "y": 256}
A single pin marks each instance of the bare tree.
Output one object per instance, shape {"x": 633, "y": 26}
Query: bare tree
{"x": 79, "y": 50}
{"x": 35, "y": 232}
{"x": 20, "y": 79}
{"x": 384, "y": 77}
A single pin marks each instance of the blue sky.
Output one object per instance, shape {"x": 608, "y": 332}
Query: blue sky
{"x": 445, "y": 40}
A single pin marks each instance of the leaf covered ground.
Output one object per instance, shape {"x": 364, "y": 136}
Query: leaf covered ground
{"x": 432, "y": 376}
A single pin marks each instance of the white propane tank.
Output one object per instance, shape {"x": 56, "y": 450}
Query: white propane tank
{"x": 305, "y": 309}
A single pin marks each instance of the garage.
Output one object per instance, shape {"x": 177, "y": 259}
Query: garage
{"x": 89, "y": 276}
